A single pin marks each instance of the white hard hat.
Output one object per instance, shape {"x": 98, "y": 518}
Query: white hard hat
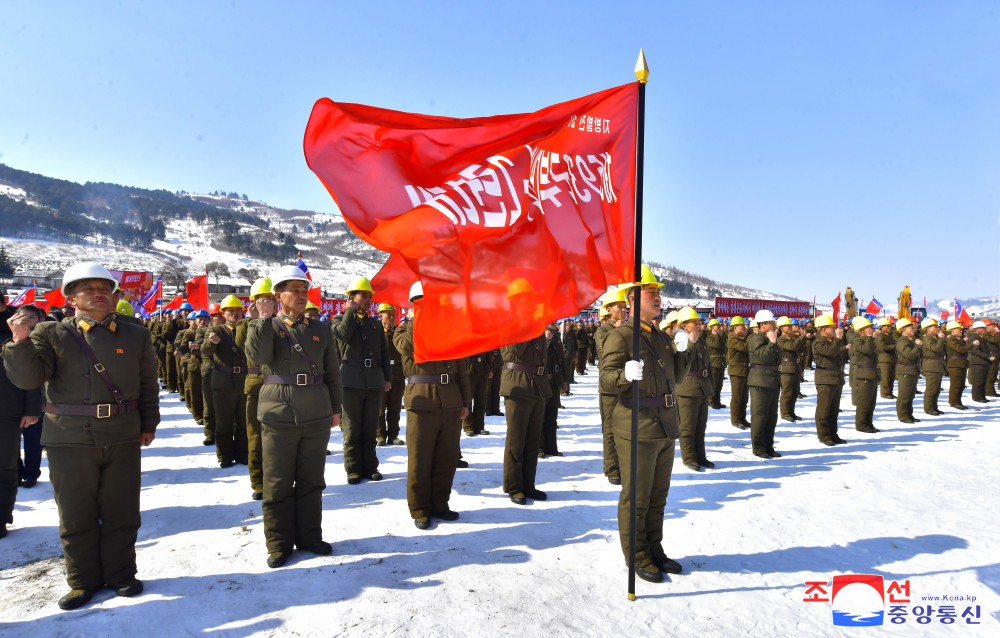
{"x": 763, "y": 316}
{"x": 978, "y": 324}
{"x": 288, "y": 273}
{"x": 416, "y": 290}
{"x": 86, "y": 270}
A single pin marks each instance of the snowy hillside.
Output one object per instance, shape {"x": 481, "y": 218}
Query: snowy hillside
{"x": 915, "y": 504}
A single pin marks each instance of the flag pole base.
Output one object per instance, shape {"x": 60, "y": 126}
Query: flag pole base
{"x": 631, "y": 597}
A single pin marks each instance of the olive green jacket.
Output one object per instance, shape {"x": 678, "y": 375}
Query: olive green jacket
{"x": 662, "y": 366}
{"x": 455, "y": 394}
{"x": 697, "y": 382}
{"x": 932, "y": 355}
{"x": 520, "y": 384}
{"x": 763, "y": 353}
{"x": 229, "y": 361}
{"x": 864, "y": 360}
{"x": 396, "y": 373}
{"x": 907, "y": 356}
{"x": 789, "y": 346}
{"x": 830, "y": 355}
{"x": 599, "y": 336}
{"x": 301, "y": 405}
{"x": 364, "y": 363}
{"x": 737, "y": 359}
{"x": 979, "y": 355}
{"x": 958, "y": 352}
{"x": 716, "y": 344}
{"x": 254, "y": 380}
{"x": 885, "y": 346}
{"x": 51, "y": 356}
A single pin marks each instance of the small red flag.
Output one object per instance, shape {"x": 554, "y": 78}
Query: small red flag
{"x": 482, "y": 209}
{"x": 836, "y": 309}
{"x": 196, "y": 289}
{"x": 175, "y": 303}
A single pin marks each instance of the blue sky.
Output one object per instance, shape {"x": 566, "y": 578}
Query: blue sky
{"x": 798, "y": 147}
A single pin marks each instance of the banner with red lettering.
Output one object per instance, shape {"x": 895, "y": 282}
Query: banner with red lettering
{"x": 509, "y": 221}
{"x": 739, "y": 307}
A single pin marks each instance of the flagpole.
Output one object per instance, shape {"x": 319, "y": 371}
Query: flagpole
{"x": 641, "y": 74}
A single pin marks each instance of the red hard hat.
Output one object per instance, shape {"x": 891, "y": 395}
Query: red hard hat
{"x": 214, "y": 309}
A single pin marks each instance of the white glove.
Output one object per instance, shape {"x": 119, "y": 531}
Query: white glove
{"x": 633, "y": 371}
{"x": 681, "y": 340}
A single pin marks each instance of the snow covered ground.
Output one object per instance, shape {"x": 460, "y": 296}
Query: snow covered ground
{"x": 914, "y": 503}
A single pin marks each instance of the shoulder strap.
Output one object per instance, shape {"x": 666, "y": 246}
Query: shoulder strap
{"x": 296, "y": 346}
{"x": 98, "y": 366}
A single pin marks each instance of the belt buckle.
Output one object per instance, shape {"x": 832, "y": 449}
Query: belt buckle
{"x": 237, "y": 370}
{"x": 556, "y": 367}
{"x": 302, "y": 379}
{"x": 704, "y": 373}
{"x": 541, "y": 371}
{"x": 392, "y": 362}
{"x": 368, "y": 363}
{"x": 445, "y": 379}
{"x": 668, "y": 400}
{"x": 105, "y": 408}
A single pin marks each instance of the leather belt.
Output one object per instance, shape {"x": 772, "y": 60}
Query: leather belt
{"x": 665, "y": 401}
{"x": 829, "y": 368}
{"x": 439, "y": 379}
{"x": 232, "y": 370}
{"x": 697, "y": 373}
{"x": 98, "y": 411}
{"x": 554, "y": 369}
{"x": 932, "y": 358}
{"x": 359, "y": 363}
{"x": 862, "y": 366}
{"x": 253, "y": 370}
{"x": 293, "y": 379}
{"x": 536, "y": 370}
{"x": 761, "y": 366}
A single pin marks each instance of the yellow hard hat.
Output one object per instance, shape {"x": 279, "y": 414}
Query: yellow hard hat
{"x": 902, "y": 323}
{"x": 231, "y": 301}
{"x": 927, "y": 323}
{"x": 311, "y": 306}
{"x": 860, "y": 322}
{"x": 952, "y": 325}
{"x": 615, "y": 295}
{"x": 738, "y": 321}
{"x": 670, "y": 318}
{"x": 822, "y": 321}
{"x": 361, "y": 284}
{"x": 687, "y": 313}
{"x": 603, "y": 312}
{"x": 124, "y": 308}
{"x": 260, "y": 288}
{"x": 647, "y": 278}
{"x": 713, "y": 322}
{"x": 386, "y": 307}
{"x": 782, "y": 321}
{"x": 884, "y": 321}
{"x": 520, "y": 286}
{"x": 753, "y": 323}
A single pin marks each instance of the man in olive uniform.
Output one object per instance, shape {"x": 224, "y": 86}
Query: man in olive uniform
{"x": 103, "y": 404}
{"x": 437, "y": 398}
{"x": 957, "y": 350}
{"x": 738, "y": 363}
{"x": 907, "y": 369}
{"x": 615, "y": 305}
{"x": 829, "y": 353}
{"x": 694, "y": 390}
{"x": 582, "y": 347}
{"x": 493, "y": 398}
{"x": 169, "y": 334}
{"x": 980, "y": 359}
{"x": 788, "y": 344}
{"x": 656, "y": 368}
{"x": 716, "y": 342}
{"x": 261, "y": 289}
{"x": 993, "y": 338}
{"x": 885, "y": 346}
{"x": 387, "y": 431}
{"x": 932, "y": 367}
{"x": 547, "y": 444}
{"x": 864, "y": 374}
{"x": 365, "y": 373}
{"x": 763, "y": 379}
{"x": 229, "y": 370}
{"x": 809, "y": 332}
{"x": 190, "y": 361}
{"x": 215, "y": 318}
{"x": 300, "y": 401}
{"x": 569, "y": 354}
{"x": 480, "y": 378}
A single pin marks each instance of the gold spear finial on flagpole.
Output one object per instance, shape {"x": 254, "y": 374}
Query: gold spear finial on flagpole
{"x": 641, "y": 69}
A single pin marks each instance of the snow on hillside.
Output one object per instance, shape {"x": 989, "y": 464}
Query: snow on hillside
{"x": 902, "y": 504}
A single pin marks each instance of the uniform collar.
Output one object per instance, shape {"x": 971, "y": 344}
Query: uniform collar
{"x": 86, "y": 323}
{"x": 288, "y": 321}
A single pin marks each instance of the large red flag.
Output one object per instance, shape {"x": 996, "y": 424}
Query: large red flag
{"x": 836, "y": 309}
{"x": 196, "y": 291}
{"x": 478, "y": 209}
{"x": 175, "y": 303}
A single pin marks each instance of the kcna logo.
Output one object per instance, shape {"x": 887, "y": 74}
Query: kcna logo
{"x": 857, "y": 600}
